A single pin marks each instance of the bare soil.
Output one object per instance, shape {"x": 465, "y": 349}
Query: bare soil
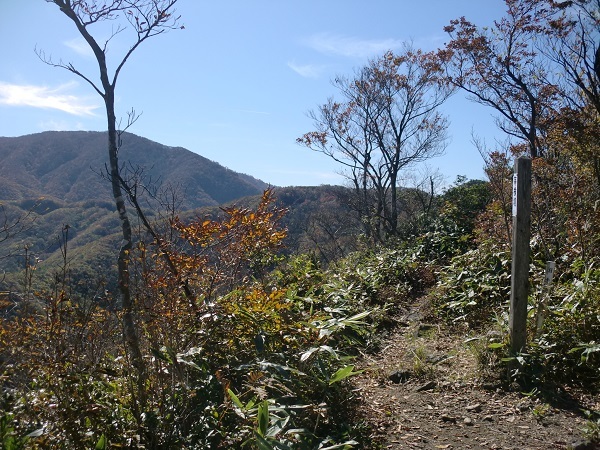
{"x": 430, "y": 387}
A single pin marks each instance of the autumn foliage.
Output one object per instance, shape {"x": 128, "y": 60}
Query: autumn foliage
{"x": 537, "y": 69}
{"x": 386, "y": 121}
{"x": 220, "y": 335}
{"x": 240, "y": 346}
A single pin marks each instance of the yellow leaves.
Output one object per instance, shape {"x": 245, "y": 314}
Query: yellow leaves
{"x": 255, "y": 312}
{"x": 211, "y": 258}
{"x": 256, "y": 301}
{"x": 239, "y": 237}
{"x": 5, "y": 302}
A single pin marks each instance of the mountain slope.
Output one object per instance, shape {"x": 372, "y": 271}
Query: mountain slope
{"x": 52, "y": 179}
{"x": 55, "y": 176}
{"x": 65, "y": 165}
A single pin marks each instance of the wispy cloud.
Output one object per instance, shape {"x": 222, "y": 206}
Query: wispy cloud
{"x": 307, "y": 70}
{"x": 80, "y": 46}
{"x": 350, "y": 46}
{"x": 60, "y": 125}
{"x": 46, "y": 98}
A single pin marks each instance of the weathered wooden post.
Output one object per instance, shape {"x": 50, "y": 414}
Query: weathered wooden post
{"x": 519, "y": 282}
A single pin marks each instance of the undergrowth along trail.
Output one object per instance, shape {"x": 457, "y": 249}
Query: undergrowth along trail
{"x": 430, "y": 387}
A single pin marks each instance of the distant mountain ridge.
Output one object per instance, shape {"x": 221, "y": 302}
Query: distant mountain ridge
{"x": 65, "y": 165}
{"x": 53, "y": 180}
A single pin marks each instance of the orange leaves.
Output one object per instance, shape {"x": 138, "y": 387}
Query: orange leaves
{"x": 198, "y": 233}
{"x": 249, "y": 228}
{"x": 211, "y": 262}
{"x": 213, "y": 255}
{"x": 312, "y": 138}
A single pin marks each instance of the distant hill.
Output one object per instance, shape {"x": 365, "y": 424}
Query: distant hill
{"x": 55, "y": 178}
{"x": 319, "y": 220}
{"x": 65, "y": 166}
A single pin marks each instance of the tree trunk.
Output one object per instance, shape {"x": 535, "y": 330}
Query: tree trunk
{"x": 129, "y": 331}
{"x": 393, "y": 219}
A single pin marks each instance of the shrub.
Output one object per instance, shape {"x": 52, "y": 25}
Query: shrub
{"x": 568, "y": 350}
{"x": 475, "y": 285}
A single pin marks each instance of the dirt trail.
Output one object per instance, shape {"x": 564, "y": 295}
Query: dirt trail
{"x": 423, "y": 390}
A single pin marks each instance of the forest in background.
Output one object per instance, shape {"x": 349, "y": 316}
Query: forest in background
{"x": 216, "y": 338}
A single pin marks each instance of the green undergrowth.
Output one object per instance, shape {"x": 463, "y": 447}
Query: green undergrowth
{"x": 269, "y": 370}
{"x": 563, "y": 318}
{"x": 269, "y": 364}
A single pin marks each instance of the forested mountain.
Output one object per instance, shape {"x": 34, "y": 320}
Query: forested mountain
{"x": 66, "y": 165}
{"x": 53, "y": 179}
{"x": 214, "y": 338}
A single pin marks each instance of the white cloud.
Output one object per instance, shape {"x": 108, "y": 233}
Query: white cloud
{"x": 351, "y": 46}
{"x": 46, "y": 98}
{"x": 60, "y": 125}
{"x": 80, "y": 46}
{"x": 306, "y": 70}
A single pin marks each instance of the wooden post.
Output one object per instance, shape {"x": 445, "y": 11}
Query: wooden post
{"x": 519, "y": 284}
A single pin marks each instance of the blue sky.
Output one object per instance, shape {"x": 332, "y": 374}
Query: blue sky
{"x": 237, "y": 83}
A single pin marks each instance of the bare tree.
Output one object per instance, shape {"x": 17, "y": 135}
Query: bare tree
{"x": 501, "y": 67}
{"x": 572, "y": 43}
{"x": 387, "y": 122}
{"x": 571, "y": 33}
{"x": 147, "y": 18}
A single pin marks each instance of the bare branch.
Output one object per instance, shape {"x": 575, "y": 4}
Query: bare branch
{"x": 387, "y": 122}
{"x": 67, "y": 66}
{"x": 151, "y": 17}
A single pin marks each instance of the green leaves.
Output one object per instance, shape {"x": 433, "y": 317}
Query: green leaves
{"x": 475, "y": 285}
{"x": 262, "y": 418}
{"x": 102, "y": 443}
{"x": 496, "y": 345}
{"x": 586, "y": 350}
{"x": 8, "y": 436}
{"x": 342, "y": 374}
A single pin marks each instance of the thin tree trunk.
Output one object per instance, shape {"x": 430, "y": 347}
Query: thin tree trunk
{"x": 393, "y": 219}
{"x": 129, "y": 331}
